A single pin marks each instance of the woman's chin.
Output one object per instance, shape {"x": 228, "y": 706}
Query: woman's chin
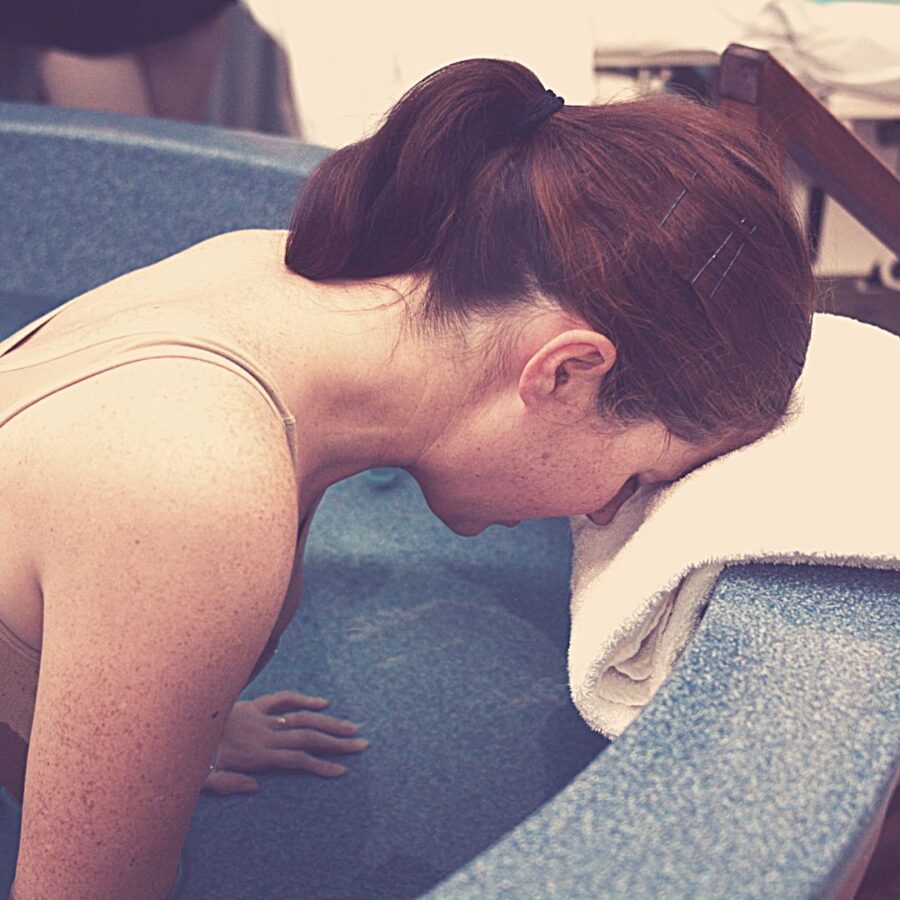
{"x": 471, "y": 529}
{"x": 467, "y": 529}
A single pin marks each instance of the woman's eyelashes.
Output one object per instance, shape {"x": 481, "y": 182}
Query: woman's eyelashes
{"x": 630, "y": 485}
{"x": 607, "y": 513}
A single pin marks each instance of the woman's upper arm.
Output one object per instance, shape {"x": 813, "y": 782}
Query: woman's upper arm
{"x": 165, "y": 557}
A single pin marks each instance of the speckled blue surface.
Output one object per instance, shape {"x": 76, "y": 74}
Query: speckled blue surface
{"x": 82, "y": 194}
{"x": 762, "y": 757}
{"x": 753, "y": 773}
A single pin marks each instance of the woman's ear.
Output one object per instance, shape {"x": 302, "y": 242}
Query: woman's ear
{"x": 561, "y": 380}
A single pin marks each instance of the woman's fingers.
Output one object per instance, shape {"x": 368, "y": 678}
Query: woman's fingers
{"x": 331, "y": 724}
{"x": 298, "y": 759}
{"x": 284, "y": 701}
{"x": 226, "y": 783}
{"x": 317, "y": 742}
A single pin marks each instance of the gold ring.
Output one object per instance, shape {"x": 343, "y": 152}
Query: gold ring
{"x": 281, "y": 720}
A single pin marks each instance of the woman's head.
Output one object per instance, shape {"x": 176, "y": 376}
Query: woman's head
{"x": 656, "y": 223}
{"x": 579, "y": 212}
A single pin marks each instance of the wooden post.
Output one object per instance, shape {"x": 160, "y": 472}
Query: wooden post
{"x": 756, "y": 87}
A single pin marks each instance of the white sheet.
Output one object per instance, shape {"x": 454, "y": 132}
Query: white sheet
{"x": 824, "y": 488}
{"x": 646, "y": 27}
{"x": 349, "y": 63}
{"x": 847, "y": 47}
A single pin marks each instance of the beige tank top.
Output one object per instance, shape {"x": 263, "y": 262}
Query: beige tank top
{"x": 26, "y": 385}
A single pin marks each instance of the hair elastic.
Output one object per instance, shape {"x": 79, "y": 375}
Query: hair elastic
{"x": 542, "y": 108}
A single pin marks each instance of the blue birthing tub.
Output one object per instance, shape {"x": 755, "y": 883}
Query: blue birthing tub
{"x": 756, "y": 772}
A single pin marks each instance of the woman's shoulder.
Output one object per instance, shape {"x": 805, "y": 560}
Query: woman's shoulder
{"x": 268, "y": 241}
{"x": 115, "y": 441}
{"x": 162, "y": 405}
{"x": 167, "y": 542}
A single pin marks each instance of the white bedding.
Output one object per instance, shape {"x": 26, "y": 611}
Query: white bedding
{"x": 350, "y": 62}
{"x": 822, "y": 489}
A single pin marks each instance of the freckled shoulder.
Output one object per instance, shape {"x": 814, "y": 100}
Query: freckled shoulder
{"x": 168, "y": 540}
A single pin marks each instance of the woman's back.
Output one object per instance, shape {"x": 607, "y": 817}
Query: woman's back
{"x": 79, "y": 337}
{"x": 150, "y": 316}
{"x": 166, "y": 551}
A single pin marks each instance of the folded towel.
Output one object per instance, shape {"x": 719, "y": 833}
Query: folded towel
{"x": 823, "y": 488}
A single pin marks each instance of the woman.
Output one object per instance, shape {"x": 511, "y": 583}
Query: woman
{"x": 530, "y": 307}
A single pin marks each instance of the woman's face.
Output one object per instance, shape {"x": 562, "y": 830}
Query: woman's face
{"x": 535, "y": 447}
{"x": 503, "y": 475}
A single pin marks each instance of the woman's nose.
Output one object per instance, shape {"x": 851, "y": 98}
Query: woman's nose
{"x": 608, "y": 513}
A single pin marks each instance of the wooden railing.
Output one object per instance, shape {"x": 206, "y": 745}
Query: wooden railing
{"x": 755, "y": 86}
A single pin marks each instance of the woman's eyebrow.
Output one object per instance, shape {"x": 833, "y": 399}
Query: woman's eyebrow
{"x": 687, "y": 470}
{"x": 651, "y": 476}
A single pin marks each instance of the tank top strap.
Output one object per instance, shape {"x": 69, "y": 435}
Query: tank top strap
{"x": 16, "y": 338}
{"x": 36, "y": 381}
{"x": 168, "y": 344}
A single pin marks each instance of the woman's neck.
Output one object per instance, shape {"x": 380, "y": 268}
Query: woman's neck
{"x": 364, "y": 392}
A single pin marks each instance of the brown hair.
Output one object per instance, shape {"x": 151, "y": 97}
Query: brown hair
{"x": 614, "y": 213}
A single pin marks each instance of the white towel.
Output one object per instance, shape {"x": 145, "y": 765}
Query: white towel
{"x": 824, "y": 488}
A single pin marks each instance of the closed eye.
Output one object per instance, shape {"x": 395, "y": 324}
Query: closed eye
{"x": 605, "y": 515}
{"x": 645, "y": 480}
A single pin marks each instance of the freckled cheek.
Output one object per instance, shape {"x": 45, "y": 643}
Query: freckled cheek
{"x": 551, "y": 492}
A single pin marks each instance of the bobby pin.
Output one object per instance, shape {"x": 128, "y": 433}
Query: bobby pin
{"x": 717, "y": 252}
{"x": 677, "y": 201}
{"x": 707, "y": 264}
{"x": 733, "y": 261}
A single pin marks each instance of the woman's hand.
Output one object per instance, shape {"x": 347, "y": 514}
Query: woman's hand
{"x": 277, "y": 732}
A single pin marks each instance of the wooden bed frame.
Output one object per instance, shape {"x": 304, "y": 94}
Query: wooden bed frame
{"x": 755, "y": 86}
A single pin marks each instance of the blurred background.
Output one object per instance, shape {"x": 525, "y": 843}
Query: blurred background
{"x": 326, "y": 74}
{"x": 245, "y": 69}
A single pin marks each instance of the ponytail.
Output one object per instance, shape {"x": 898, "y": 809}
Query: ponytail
{"x": 383, "y": 206}
{"x": 472, "y": 185}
